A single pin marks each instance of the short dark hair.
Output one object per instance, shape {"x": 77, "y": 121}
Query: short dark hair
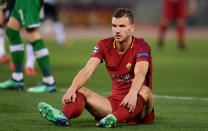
{"x": 121, "y": 12}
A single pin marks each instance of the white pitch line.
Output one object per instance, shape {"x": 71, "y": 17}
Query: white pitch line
{"x": 159, "y": 96}
{"x": 180, "y": 97}
{"x": 62, "y": 89}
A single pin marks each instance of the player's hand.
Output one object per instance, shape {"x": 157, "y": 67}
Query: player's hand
{"x": 130, "y": 101}
{"x": 69, "y": 96}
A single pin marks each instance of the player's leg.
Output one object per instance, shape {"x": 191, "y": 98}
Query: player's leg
{"x": 58, "y": 28}
{"x": 147, "y": 113}
{"x": 97, "y": 105}
{"x": 181, "y": 30}
{"x": 122, "y": 114}
{"x": 52, "y": 114}
{"x": 30, "y": 60}
{"x": 17, "y": 53}
{"x": 16, "y": 45}
{"x": 3, "y": 57}
{"x": 181, "y": 20}
{"x": 168, "y": 11}
{"x": 30, "y": 20}
{"x": 42, "y": 57}
{"x": 162, "y": 30}
{"x": 62, "y": 117}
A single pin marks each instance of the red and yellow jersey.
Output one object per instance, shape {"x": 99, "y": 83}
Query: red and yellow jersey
{"x": 121, "y": 66}
{"x": 174, "y": 9}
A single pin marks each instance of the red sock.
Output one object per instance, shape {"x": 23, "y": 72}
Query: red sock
{"x": 122, "y": 113}
{"x": 75, "y": 109}
{"x": 180, "y": 30}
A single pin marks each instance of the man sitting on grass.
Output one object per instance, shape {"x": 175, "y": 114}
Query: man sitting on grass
{"x": 129, "y": 63}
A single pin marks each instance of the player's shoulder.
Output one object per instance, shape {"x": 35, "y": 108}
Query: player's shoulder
{"x": 106, "y": 42}
{"x": 140, "y": 43}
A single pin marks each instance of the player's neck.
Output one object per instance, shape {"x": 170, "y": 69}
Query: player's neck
{"x": 122, "y": 47}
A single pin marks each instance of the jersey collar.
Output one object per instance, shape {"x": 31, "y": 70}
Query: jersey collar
{"x": 132, "y": 43}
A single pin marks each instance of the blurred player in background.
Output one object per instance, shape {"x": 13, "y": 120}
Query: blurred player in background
{"x": 26, "y": 14}
{"x": 49, "y": 12}
{"x": 175, "y": 10}
{"x": 129, "y": 63}
{"x": 5, "y": 11}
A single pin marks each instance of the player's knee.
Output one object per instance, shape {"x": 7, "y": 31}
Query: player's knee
{"x": 33, "y": 34}
{"x": 14, "y": 24}
{"x": 145, "y": 92}
{"x": 85, "y": 91}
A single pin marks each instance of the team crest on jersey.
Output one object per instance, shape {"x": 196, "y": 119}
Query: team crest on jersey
{"x": 128, "y": 66}
{"x": 95, "y": 50}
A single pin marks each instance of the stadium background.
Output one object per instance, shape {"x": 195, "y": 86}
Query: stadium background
{"x": 87, "y": 17}
{"x": 179, "y": 79}
{"x": 89, "y": 12}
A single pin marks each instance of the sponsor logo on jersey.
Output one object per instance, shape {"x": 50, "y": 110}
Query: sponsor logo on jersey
{"x": 95, "y": 50}
{"x": 128, "y": 66}
{"x": 125, "y": 78}
{"x": 144, "y": 54}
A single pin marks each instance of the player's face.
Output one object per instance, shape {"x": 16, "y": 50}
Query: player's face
{"x": 122, "y": 28}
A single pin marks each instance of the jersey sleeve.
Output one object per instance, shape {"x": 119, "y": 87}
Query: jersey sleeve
{"x": 143, "y": 53}
{"x": 98, "y": 51}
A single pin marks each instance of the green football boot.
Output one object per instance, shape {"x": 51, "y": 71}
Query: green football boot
{"x": 52, "y": 114}
{"x": 42, "y": 88}
{"x": 108, "y": 121}
{"x": 12, "y": 84}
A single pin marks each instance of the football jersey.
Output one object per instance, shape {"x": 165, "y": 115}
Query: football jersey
{"x": 121, "y": 66}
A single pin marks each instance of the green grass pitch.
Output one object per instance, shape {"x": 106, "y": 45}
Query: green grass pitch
{"x": 176, "y": 73}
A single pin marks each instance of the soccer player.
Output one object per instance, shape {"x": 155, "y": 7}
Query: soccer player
{"x": 175, "y": 10}
{"x": 50, "y": 12}
{"x": 5, "y": 11}
{"x": 129, "y": 63}
{"x": 25, "y": 14}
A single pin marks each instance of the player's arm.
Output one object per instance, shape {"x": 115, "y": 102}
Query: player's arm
{"x": 3, "y": 5}
{"x": 80, "y": 79}
{"x": 140, "y": 71}
{"x": 85, "y": 73}
{"x": 1, "y": 17}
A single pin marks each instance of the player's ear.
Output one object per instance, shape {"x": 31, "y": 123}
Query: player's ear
{"x": 133, "y": 27}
